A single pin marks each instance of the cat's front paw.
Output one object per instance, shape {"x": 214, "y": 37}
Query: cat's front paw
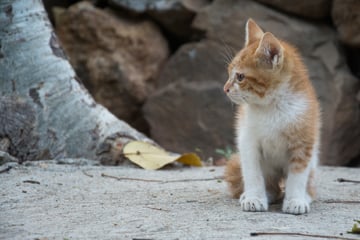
{"x": 296, "y": 206}
{"x": 253, "y": 203}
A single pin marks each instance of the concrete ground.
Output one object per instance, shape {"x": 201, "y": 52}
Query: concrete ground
{"x": 45, "y": 200}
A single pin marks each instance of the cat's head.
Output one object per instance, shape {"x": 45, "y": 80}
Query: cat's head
{"x": 257, "y": 68}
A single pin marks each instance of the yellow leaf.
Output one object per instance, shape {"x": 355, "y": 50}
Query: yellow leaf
{"x": 152, "y": 157}
{"x": 190, "y": 159}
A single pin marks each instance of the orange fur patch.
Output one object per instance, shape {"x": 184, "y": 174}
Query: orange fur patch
{"x": 233, "y": 176}
{"x": 275, "y": 188}
{"x": 311, "y": 189}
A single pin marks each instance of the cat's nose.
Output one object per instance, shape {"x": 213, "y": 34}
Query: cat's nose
{"x": 227, "y": 87}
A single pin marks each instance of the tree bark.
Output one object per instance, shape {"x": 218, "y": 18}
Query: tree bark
{"x": 45, "y": 112}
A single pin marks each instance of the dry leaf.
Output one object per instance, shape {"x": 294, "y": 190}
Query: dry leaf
{"x": 152, "y": 157}
{"x": 190, "y": 159}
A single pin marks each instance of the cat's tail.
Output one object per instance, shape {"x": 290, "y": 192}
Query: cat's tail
{"x": 233, "y": 176}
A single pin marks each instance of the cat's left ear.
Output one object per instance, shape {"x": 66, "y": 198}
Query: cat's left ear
{"x": 252, "y": 32}
{"x": 270, "y": 52}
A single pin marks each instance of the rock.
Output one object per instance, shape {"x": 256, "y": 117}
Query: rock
{"x": 353, "y": 60}
{"x": 346, "y": 17}
{"x": 158, "y": 5}
{"x": 335, "y": 86}
{"x": 314, "y": 9}
{"x": 174, "y": 15}
{"x": 51, "y": 4}
{"x": 117, "y": 59}
{"x": 189, "y": 112}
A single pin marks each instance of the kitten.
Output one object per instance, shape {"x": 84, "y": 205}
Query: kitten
{"x": 277, "y": 125}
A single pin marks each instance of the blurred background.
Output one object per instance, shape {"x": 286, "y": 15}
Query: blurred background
{"x": 160, "y": 65}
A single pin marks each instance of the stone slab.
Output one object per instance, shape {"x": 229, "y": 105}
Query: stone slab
{"x": 51, "y": 201}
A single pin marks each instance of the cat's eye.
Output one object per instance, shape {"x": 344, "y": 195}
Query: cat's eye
{"x": 240, "y": 77}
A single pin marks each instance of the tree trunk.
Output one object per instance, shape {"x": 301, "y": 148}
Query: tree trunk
{"x": 45, "y": 112}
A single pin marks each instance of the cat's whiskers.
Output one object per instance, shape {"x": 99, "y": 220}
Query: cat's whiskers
{"x": 227, "y": 52}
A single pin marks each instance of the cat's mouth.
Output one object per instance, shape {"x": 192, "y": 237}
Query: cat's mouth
{"x": 237, "y": 98}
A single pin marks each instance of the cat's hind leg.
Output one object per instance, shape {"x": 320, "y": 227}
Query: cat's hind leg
{"x": 233, "y": 176}
{"x": 274, "y": 189}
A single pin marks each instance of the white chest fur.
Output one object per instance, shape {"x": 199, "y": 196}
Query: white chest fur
{"x": 263, "y": 128}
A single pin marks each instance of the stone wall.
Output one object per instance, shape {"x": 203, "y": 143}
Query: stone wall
{"x": 161, "y": 65}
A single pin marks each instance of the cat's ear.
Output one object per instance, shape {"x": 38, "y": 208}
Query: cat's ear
{"x": 252, "y": 32}
{"x": 270, "y": 52}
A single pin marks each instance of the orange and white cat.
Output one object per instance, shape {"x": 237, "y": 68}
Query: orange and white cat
{"x": 277, "y": 125}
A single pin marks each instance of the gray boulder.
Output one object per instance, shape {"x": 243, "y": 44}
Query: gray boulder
{"x": 314, "y": 9}
{"x": 118, "y": 59}
{"x": 189, "y": 112}
{"x": 346, "y": 17}
{"x": 334, "y": 84}
{"x": 174, "y": 15}
{"x": 224, "y": 23}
